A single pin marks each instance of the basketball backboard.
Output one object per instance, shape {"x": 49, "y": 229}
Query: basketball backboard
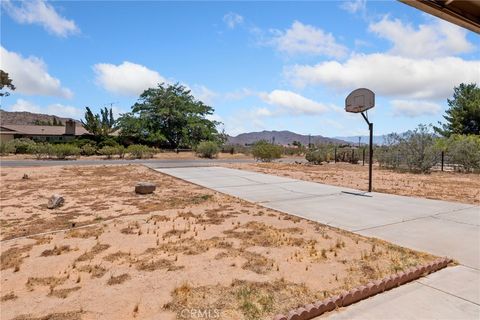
{"x": 360, "y": 100}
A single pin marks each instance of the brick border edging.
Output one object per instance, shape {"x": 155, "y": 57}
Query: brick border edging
{"x": 318, "y": 308}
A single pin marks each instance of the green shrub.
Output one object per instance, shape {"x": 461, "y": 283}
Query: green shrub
{"x": 109, "y": 141}
{"x": 42, "y": 150}
{"x": 464, "y": 150}
{"x": 139, "y": 151}
{"x": 6, "y": 148}
{"x": 207, "y": 149}
{"x": 88, "y": 150}
{"x": 121, "y": 151}
{"x": 108, "y": 151}
{"x": 63, "y": 151}
{"x": 22, "y": 145}
{"x": 266, "y": 152}
{"x": 317, "y": 156}
{"x": 414, "y": 150}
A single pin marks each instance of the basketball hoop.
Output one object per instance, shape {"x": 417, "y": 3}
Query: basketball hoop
{"x": 359, "y": 101}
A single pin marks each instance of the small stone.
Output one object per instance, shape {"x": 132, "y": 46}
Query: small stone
{"x": 25, "y": 176}
{"x": 145, "y": 187}
{"x": 55, "y": 201}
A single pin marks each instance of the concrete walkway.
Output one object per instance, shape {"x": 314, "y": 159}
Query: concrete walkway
{"x": 439, "y": 227}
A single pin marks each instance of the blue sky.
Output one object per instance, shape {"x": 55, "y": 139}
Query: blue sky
{"x": 261, "y": 65}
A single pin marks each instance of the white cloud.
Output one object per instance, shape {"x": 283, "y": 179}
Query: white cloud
{"x": 127, "y": 78}
{"x": 414, "y": 108}
{"x": 42, "y": 13}
{"x": 389, "y": 75}
{"x": 232, "y": 19}
{"x": 292, "y": 103}
{"x": 204, "y": 94}
{"x": 306, "y": 39}
{"x": 437, "y": 39}
{"x": 30, "y": 75}
{"x": 56, "y": 109}
{"x": 354, "y": 6}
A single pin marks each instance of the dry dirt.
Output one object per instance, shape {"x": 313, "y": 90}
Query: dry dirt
{"x": 178, "y": 253}
{"x": 449, "y": 186}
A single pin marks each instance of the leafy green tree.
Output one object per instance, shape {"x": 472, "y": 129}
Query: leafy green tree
{"x": 169, "y": 115}
{"x": 99, "y": 124}
{"x": 5, "y": 81}
{"x": 463, "y": 115}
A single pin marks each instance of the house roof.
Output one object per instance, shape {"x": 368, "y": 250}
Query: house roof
{"x": 465, "y": 13}
{"x": 39, "y": 130}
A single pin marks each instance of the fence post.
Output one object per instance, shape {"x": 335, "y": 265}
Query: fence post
{"x": 335, "y": 155}
{"x": 363, "y": 157}
{"x": 443, "y": 156}
{"x": 353, "y": 156}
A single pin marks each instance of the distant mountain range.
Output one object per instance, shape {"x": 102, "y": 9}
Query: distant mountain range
{"x": 28, "y": 118}
{"x": 363, "y": 139}
{"x": 281, "y": 137}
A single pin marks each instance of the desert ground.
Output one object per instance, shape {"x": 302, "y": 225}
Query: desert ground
{"x": 449, "y": 186}
{"x": 109, "y": 253}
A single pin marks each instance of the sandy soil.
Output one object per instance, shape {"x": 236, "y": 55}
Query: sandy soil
{"x": 450, "y": 186}
{"x": 159, "y": 156}
{"x": 177, "y": 253}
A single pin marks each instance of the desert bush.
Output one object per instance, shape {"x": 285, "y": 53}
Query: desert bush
{"x": 121, "y": 151}
{"x": 139, "y": 151}
{"x": 6, "y": 148}
{"x": 108, "y": 151}
{"x": 464, "y": 150}
{"x": 207, "y": 149}
{"x": 317, "y": 156}
{"x": 414, "y": 150}
{"x": 88, "y": 150}
{"x": 63, "y": 151}
{"x": 41, "y": 150}
{"x": 294, "y": 151}
{"x": 349, "y": 155}
{"x": 22, "y": 145}
{"x": 266, "y": 152}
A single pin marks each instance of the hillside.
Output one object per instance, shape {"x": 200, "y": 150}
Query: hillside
{"x": 28, "y": 118}
{"x": 281, "y": 137}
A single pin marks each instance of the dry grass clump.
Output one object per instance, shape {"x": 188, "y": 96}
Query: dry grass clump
{"x": 95, "y": 271}
{"x": 72, "y": 315}
{"x": 216, "y": 216}
{"x": 131, "y": 228}
{"x": 56, "y": 251}
{"x": 118, "y": 279}
{"x": 89, "y": 255}
{"x": 13, "y": 257}
{"x": 119, "y": 255}
{"x": 9, "y": 296}
{"x": 240, "y": 300}
{"x": 84, "y": 233}
{"x": 152, "y": 265}
{"x": 255, "y": 233}
{"x": 51, "y": 282}
{"x": 191, "y": 246}
{"x": 62, "y": 293}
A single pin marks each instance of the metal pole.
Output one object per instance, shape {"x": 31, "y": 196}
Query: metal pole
{"x": 443, "y": 155}
{"x": 335, "y": 155}
{"x": 363, "y": 157}
{"x": 370, "y": 157}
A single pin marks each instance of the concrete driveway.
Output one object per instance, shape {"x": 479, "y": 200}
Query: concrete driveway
{"x": 439, "y": 227}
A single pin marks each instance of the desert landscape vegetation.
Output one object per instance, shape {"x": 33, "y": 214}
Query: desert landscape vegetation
{"x": 111, "y": 253}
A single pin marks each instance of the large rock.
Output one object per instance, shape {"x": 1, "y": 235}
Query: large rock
{"x": 55, "y": 201}
{"x": 145, "y": 187}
